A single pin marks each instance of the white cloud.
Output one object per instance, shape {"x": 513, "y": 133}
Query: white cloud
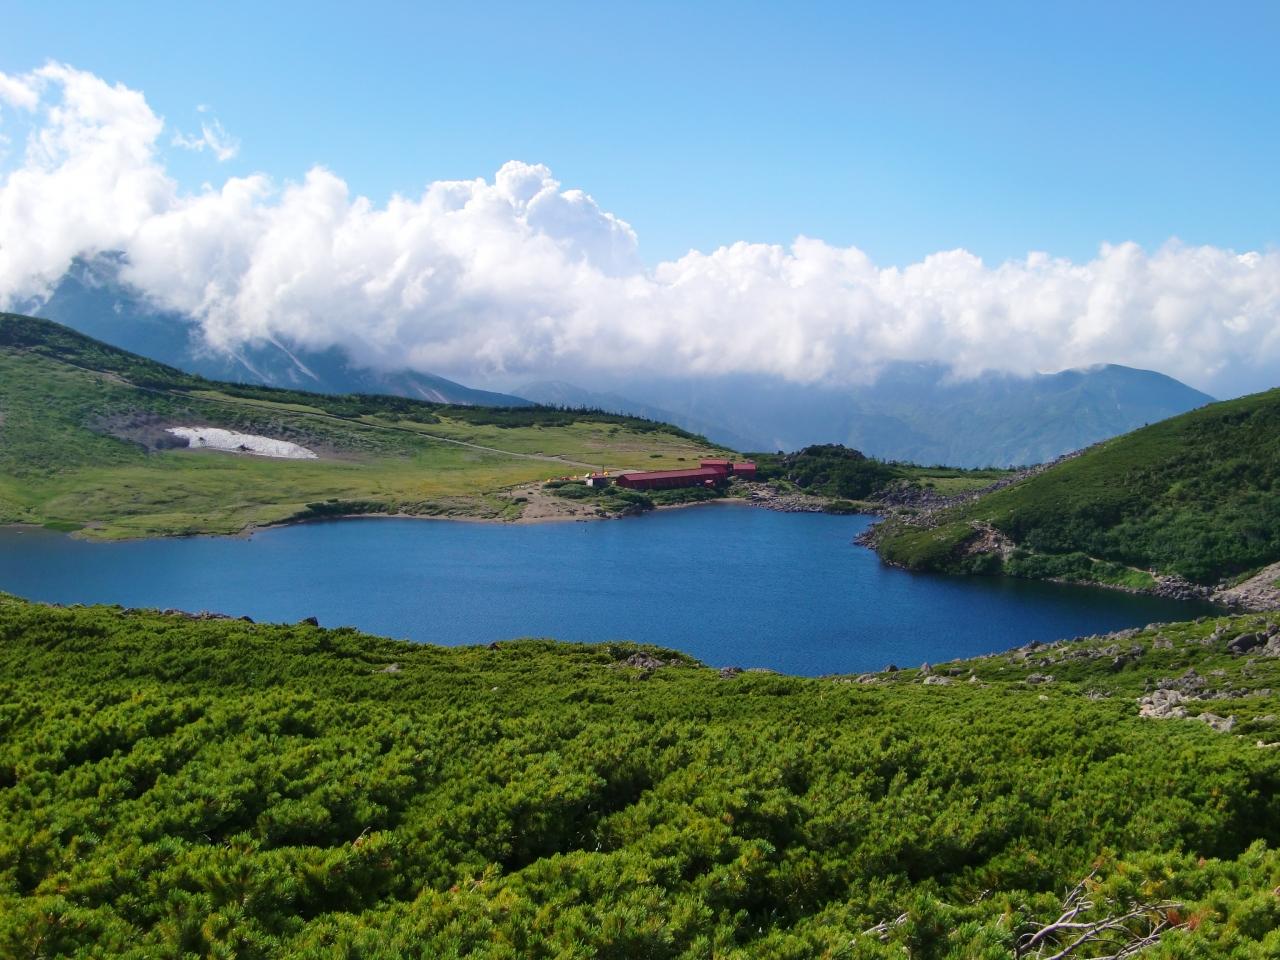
{"x": 213, "y": 137}
{"x": 518, "y": 276}
{"x": 88, "y": 180}
{"x": 18, "y": 92}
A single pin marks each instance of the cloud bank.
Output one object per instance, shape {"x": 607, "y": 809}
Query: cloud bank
{"x": 516, "y": 276}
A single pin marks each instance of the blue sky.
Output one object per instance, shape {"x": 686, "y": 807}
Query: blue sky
{"x": 902, "y": 129}
{"x": 920, "y": 152}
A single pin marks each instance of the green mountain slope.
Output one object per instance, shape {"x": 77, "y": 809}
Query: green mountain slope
{"x": 1195, "y": 496}
{"x": 172, "y": 786}
{"x": 83, "y": 444}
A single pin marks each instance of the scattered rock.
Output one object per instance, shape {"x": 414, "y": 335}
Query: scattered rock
{"x": 1176, "y": 588}
{"x": 933, "y": 680}
{"x": 1221, "y": 724}
{"x": 728, "y": 673}
{"x": 1189, "y": 683}
{"x": 390, "y": 668}
{"x": 1162, "y": 705}
{"x": 1245, "y": 642}
{"x": 1035, "y": 678}
{"x": 987, "y": 540}
{"x": 644, "y": 661}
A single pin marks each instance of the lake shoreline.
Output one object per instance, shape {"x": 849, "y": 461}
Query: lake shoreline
{"x": 561, "y": 511}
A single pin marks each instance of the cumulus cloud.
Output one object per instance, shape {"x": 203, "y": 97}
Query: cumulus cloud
{"x": 516, "y": 276}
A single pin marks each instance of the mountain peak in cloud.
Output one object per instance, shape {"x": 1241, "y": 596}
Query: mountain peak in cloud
{"x": 518, "y": 277}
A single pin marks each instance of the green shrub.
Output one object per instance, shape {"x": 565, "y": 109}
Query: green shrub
{"x": 175, "y": 786}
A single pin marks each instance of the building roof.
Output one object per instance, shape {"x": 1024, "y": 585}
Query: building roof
{"x": 695, "y": 473}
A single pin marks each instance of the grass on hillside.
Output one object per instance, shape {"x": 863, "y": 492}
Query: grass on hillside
{"x": 68, "y": 404}
{"x": 950, "y": 481}
{"x": 179, "y": 787}
{"x": 833, "y": 470}
{"x": 1193, "y": 496}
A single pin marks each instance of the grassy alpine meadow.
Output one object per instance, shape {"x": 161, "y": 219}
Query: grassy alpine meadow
{"x": 177, "y": 787}
{"x": 83, "y": 446}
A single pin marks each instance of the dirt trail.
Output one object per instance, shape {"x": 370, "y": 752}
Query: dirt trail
{"x": 541, "y": 506}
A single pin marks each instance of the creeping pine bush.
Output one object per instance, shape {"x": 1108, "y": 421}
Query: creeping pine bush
{"x": 178, "y": 787}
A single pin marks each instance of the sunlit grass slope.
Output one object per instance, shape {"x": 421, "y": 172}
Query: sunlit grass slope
{"x": 176, "y": 787}
{"x": 1197, "y": 495}
{"x": 70, "y": 406}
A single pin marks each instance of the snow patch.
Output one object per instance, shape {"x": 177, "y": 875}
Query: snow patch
{"x": 215, "y": 438}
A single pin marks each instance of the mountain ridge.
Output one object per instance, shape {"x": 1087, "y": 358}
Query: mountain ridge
{"x": 92, "y": 299}
{"x": 922, "y": 413}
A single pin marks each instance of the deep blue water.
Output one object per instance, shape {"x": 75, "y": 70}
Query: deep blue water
{"x": 730, "y": 585}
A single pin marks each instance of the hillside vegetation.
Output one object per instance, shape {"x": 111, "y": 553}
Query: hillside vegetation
{"x": 1193, "y": 496}
{"x": 83, "y": 446}
{"x": 833, "y": 470}
{"x": 174, "y": 786}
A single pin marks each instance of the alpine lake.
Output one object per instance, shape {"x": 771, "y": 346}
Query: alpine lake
{"x": 731, "y": 585}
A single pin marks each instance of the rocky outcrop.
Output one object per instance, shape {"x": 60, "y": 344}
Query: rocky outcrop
{"x": 1177, "y": 588}
{"x": 763, "y": 495}
{"x": 987, "y": 540}
{"x": 1259, "y": 592}
{"x": 1260, "y": 641}
{"x": 1163, "y": 705}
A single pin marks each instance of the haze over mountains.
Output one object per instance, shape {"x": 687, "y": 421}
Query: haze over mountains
{"x": 918, "y": 412}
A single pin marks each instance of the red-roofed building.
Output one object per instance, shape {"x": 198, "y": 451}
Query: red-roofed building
{"x": 668, "y": 479}
{"x": 709, "y": 473}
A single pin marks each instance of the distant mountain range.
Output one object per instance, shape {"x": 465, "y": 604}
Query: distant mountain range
{"x": 557, "y": 393}
{"x": 912, "y": 412}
